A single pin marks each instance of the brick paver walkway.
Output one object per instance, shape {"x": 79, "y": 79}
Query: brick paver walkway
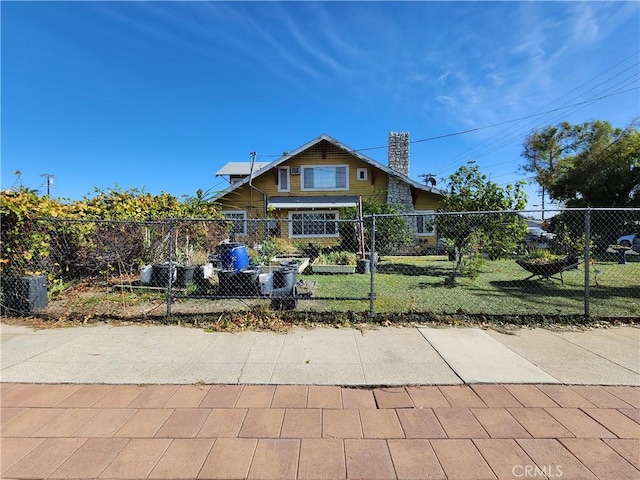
{"x": 319, "y": 432}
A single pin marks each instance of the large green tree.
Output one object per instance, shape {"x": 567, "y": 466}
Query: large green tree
{"x": 477, "y": 232}
{"x": 588, "y": 165}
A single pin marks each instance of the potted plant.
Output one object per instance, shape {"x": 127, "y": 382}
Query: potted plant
{"x": 335, "y": 262}
{"x": 185, "y": 266}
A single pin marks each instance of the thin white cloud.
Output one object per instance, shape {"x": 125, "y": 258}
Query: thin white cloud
{"x": 445, "y": 100}
{"x": 314, "y": 50}
{"x": 495, "y": 79}
{"x": 585, "y": 27}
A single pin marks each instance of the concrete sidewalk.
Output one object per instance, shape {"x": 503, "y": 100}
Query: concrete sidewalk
{"x": 322, "y": 356}
{"x": 104, "y": 402}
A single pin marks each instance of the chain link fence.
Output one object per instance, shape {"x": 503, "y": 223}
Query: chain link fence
{"x": 575, "y": 262}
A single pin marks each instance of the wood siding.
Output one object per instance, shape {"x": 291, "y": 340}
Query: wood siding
{"x": 374, "y": 188}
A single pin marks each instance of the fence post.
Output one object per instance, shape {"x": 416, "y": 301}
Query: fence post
{"x": 372, "y": 265}
{"x": 587, "y": 260}
{"x": 170, "y": 284}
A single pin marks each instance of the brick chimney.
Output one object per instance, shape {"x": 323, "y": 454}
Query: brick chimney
{"x": 398, "y": 191}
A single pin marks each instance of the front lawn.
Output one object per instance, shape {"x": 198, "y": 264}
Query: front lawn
{"x": 423, "y": 284}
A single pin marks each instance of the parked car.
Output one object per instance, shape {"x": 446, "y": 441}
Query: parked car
{"x": 631, "y": 240}
{"x": 538, "y": 238}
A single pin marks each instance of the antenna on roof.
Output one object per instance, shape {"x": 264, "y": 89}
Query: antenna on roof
{"x": 429, "y": 179}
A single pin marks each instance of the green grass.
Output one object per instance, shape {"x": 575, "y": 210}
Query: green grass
{"x": 405, "y": 284}
{"x": 402, "y": 285}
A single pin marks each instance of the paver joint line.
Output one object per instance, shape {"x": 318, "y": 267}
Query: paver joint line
{"x": 386, "y": 439}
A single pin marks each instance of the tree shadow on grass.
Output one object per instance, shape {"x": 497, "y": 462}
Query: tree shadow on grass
{"x": 553, "y": 288}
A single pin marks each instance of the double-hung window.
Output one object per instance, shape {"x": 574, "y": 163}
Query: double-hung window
{"x": 283, "y": 179}
{"x": 313, "y": 224}
{"x": 238, "y": 221}
{"x": 325, "y": 177}
{"x": 425, "y": 223}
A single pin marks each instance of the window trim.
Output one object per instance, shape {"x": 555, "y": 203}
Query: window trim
{"x": 432, "y": 213}
{"x": 335, "y": 213}
{"x": 244, "y": 220}
{"x": 366, "y": 174}
{"x": 315, "y": 189}
{"x": 288, "y": 189}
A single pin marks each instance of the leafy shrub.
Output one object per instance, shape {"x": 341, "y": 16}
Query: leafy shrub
{"x": 392, "y": 232}
{"x": 282, "y": 246}
{"x": 337, "y": 258}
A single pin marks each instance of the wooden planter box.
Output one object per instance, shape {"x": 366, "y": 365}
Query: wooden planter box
{"x": 343, "y": 269}
{"x": 277, "y": 263}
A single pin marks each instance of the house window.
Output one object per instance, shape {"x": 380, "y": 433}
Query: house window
{"x": 238, "y": 222}
{"x": 330, "y": 177}
{"x": 425, "y": 223}
{"x": 313, "y": 224}
{"x": 362, "y": 174}
{"x": 283, "y": 179}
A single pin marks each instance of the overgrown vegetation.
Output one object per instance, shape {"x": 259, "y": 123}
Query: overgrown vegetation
{"x": 81, "y": 238}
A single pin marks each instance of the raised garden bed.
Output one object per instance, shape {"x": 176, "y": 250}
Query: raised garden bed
{"x": 335, "y": 262}
{"x": 343, "y": 269}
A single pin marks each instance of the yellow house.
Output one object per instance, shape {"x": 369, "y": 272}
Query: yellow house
{"x": 300, "y": 195}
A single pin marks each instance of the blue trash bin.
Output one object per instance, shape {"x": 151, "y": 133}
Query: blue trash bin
{"x": 234, "y": 256}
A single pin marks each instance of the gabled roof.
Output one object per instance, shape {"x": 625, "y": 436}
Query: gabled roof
{"x": 342, "y": 146}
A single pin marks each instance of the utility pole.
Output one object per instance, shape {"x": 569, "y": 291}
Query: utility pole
{"x": 49, "y": 178}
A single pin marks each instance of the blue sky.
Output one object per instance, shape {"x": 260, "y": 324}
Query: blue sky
{"x": 160, "y": 95}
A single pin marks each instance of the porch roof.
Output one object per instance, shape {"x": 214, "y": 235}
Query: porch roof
{"x": 336, "y": 201}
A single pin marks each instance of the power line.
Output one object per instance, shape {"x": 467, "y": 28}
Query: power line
{"x": 471, "y": 130}
{"x": 516, "y": 135}
{"x": 501, "y": 135}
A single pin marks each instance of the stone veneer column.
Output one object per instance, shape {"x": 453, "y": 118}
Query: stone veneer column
{"x": 398, "y": 191}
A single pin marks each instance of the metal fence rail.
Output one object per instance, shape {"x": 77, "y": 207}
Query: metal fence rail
{"x": 583, "y": 262}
